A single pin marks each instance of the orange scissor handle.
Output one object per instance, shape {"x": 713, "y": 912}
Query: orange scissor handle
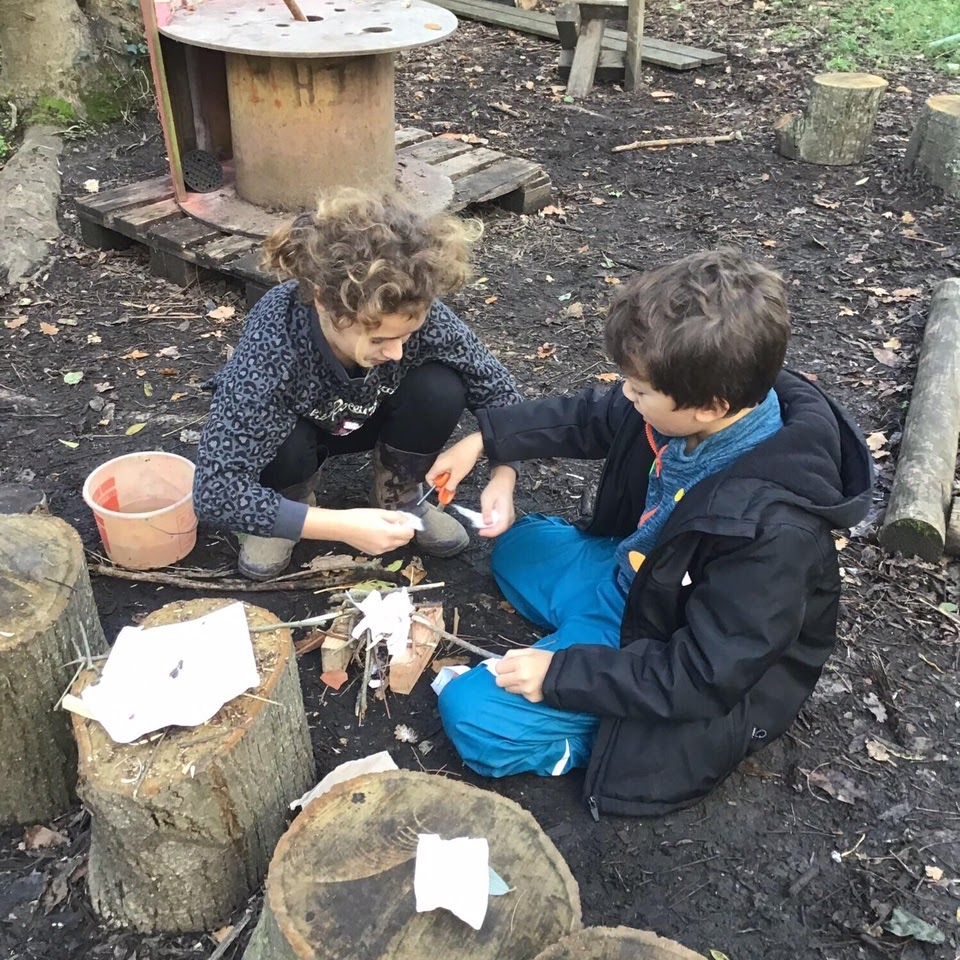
{"x": 444, "y": 495}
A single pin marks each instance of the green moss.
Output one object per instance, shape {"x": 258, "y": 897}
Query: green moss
{"x": 103, "y": 106}
{"x": 52, "y": 110}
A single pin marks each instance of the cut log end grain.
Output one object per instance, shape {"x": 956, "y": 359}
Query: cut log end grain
{"x": 617, "y": 943}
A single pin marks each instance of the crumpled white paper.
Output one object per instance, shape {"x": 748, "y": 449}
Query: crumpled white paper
{"x": 475, "y": 517}
{"x": 376, "y": 763}
{"x": 387, "y": 618}
{"x": 453, "y": 875}
{"x": 179, "y": 673}
{"x": 411, "y": 519}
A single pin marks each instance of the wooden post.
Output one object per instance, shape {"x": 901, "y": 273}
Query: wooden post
{"x": 617, "y": 943}
{"x": 934, "y": 148}
{"x": 916, "y": 518}
{"x": 632, "y": 60}
{"x": 343, "y": 875}
{"x": 585, "y": 59}
{"x": 183, "y": 824}
{"x": 48, "y": 619}
{"x": 836, "y": 127}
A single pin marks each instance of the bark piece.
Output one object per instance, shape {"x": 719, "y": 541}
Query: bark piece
{"x": 934, "y": 148}
{"x": 406, "y": 668}
{"x": 342, "y": 876}
{"x": 46, "y": 609}
{"x": 183, "y": 824}
{"x": 617, "y": 943}
{"x": 916, "y": 518}
{"x": 836, "y": 127}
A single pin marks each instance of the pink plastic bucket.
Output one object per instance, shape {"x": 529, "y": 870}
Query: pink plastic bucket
{"x": 143, "y": 505}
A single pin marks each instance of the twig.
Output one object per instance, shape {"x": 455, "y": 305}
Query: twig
{"x": 361, "y": 708}
{"x": 290, "y": 624}
{"x": 228, "y": 940}
{"x": 941, "y": 43}
{"x": 295, "y": 10}
{"x": 679, "y": 141}
{"x": 465, "y": 644}
{"x": 507, "y": 109}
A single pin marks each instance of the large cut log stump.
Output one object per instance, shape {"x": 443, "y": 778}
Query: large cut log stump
{"x": 48, "y": 620}
{"x": 341, "y": 882}
{"x": 916, "y": 519}
{"x": 836, "y": 127}
{"x": 934, "y": 148}
{"x": 617, "y": 943}
{"x": 183, "y": 823}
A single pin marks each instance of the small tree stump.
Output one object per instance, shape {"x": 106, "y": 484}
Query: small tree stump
{"x": 836, "y": 127}
{"x": 184, "y": 823}
{"x": 916, "y": 518}
{"x": 46, "y": 608}
{"x": 951, "y": 543}
{"x": 341, "y": 882}
{"x": 617, "y": 943}
{"x": 934, "y": 148}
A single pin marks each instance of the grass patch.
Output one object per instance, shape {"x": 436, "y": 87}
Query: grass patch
{"x": 863, "y": 33}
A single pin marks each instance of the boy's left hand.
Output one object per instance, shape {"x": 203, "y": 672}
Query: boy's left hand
{"x": 498, "y": 495}
{"x": 522, "y": 671}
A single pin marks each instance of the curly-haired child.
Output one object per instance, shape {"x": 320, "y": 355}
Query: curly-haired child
{"x": 353, "y": 351}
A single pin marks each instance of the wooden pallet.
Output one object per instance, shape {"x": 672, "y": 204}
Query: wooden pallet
{"x": 185, "y": 251}
{"x": 661, "y": 53}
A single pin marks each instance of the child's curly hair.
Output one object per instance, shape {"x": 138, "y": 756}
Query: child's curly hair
{"x": 362, "y": 256}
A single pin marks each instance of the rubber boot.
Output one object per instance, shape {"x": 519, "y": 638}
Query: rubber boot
{"x": 263, "y": 558}
{"x": 397, "y": 476}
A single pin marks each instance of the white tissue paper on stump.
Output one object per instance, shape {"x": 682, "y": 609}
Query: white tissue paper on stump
{"x": 178, "y": 673}
{"x": 453, "y": 875}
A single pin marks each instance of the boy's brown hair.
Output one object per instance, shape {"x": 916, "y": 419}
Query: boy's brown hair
{"x": 711, "y": 326}
{"x": 362, "y": 256}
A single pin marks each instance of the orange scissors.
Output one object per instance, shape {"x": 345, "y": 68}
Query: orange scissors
{"x": 444, "y": 495}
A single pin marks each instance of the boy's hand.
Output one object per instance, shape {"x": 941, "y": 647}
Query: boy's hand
{"x": 458, "y": 461}
{"x": 522, "y": 671}
{"x": 498, "y": 495}
{"x": 373, "y": 531}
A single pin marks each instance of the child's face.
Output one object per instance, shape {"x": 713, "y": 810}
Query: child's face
{"x": 370, "y": 348}
{"x": 660, "y": 411}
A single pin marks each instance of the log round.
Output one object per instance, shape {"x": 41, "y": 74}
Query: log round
{"x": 934, "y": 148}
{"x": 341, "y": 882}
{"x": 916, "y": 518}
{"x": 836, "y": 127}
{"x": 183, "y": 823}
{"x": 46, "y": 609}
{"x": 617, "y": 943}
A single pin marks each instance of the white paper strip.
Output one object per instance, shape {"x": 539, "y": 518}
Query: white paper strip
{"x": 376, "y": 763}
{"x": 453, "y": 875}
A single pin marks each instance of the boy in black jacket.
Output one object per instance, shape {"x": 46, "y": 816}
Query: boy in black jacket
{"x": 691, "y": 617}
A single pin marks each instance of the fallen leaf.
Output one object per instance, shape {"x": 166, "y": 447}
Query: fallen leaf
{"x": 902, "y": 89}
{"x": 134, "y": 355}
{"x": 892, "y": 344}
{"x": 167, "y": 372}
{"x": 835, "y": 784}
{"x": 222, "y": 313}
{"x": 613, "y": 281}
{"x": 947, "y": 607}
{"x": 598, "y": 201}
{"x": 148, "y": 389}
{"x": 91, "y": 186}
{"x": 752, "y": 767}
{"x": 72, "y": 444}
{"x": 908, "y": 217}
{"x": 334, "y": 679}
{"x": 841, "y": 543}
{"x": 506, "y": 606}
{"x": 190, "y": 436}
{"x": 902, "y": 923}
{"x": 933, "y": 873}
{"x": 177, "y": 396}
{"x": 825, "y": 203}
{"x": 171, "y": 353}
{"x": 877, "y": 751}
{"x": 102, "y": 387}
{"x": 552, "y": 211}
{"x": 608, "y": 377}
{"x": 876, "y": 440}
{"x": 574, "y": 311}
{"x": 490, "y": 300}
{"x": 39, "y": 837}
{"x": 414, "y": 571}
{"x": 73, "y": 377}
{"x": 812, "y": 377}
{"x": 872, "y": 702}
{"x": 887, "y": 357}
{"x": 14, "y": 323}
{"x": 906, "y": 293}
{"x": 393, "y": 567}
{"x": 220, "y": 935}
{"x": 717, "y": 954}
{"x": 50, "y": 329}
{"x": 768, "y": 243}
{"x": 546, "y": 350}
{"x": 846, "y": 312}
{"x": 662, "y": 94}
{"x": 94, "y": 338}
{"x": 134, "y": 428}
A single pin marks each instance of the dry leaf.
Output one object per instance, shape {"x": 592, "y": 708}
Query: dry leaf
{"x": 94, "y": 338}
{"x": 613, "y": 281}
{"x": 134, "y": 428}
{"x": 933, "y": 873}
{"x": 841, "y": 543}
{"x": 598, "y": 201}
{"x": 102, "y": 387}
{"x": 72, "y": 444}
{"x": 39, "y": 837}
{"x": 574, "y": 311}
{"x": 414, "y": 571}
{"x": 878, "y": 751}
{"x": 608, "y": 377}
{"x": 134, "y": 355}
{"x": 893, "y": 344}
{"x": 546, "y": 350}
{"x": 15, "y": 323}
{"x": 167, "y": 371}
{"x": 825, "y": 203}
{"x": 177, "y": 396}
{"x": 490, "y": 300}
{"x": 91, "y": 186}
{"x": 768, "y": 243}
{"x": 171, "y": 353}
{"x": 908, "y": 217}
{"x": 334, "y": 679}
{"x": 846, "y": 312}
{"x": 405, "y": 734}
{"x": 552, "y": 211}
{"x": 834, "y": 783}
{"x": 812, "y": 377}
{"x": 877, "y": 441}
{"x": 906, "y": 293}
{"x": 506, "y": 606}
{"x": 662, "y": 94}
{"x": 222, "y": 313}
{"x": 220, "y": 935}
{"x": 887, "y": 357}
{"x": 50, "y": 329}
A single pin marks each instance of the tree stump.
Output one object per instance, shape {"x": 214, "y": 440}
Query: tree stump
{"x": 48, "y": 619}
{"x": 617, "y": 943}
{"x": 916, "y": 518}
{"x": 341, "y": 882}
{"x": 951, "y": 542}
{"x": 934, "y": 148}
{"x": 184, "y": 822}
{"x": 836, "y": 127}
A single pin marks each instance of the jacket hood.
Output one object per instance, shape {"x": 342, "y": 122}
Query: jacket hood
{"x": 818, "y": 461}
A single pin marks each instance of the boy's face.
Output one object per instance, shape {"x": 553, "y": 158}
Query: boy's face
{"x": 662, "y": 413}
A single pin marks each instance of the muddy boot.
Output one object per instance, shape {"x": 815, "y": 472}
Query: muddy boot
{"x": 397, "y": 476}
{"x": 263, "y": 558}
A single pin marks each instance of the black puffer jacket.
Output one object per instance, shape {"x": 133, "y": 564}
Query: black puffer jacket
{"x": 733, "y": 615}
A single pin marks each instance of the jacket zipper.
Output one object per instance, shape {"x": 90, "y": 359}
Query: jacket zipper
{"x": 594, "y": 809}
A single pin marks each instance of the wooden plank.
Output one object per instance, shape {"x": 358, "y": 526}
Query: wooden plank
{"x": 248, "y": 267}
{"x": 496, "y": 180}
{"x": 632, "y": 58}
{"x": 436, "y": 150}
{"x": 609, "y": 69}
{"x": 177, "y": 235}
{"x": 134, "y": 222}
{"x": 147, "y": 191}
{"x": 405, "y": 668}
{"x": 568, "y": 26}
{"x": 226, "y": 248}
{"x": 585, "y": 59}
{"x": 529, "y": 197}
{"x": 407, "y": 136}
{"x": 477, "y": 159}
{"x": 598, "y": 10}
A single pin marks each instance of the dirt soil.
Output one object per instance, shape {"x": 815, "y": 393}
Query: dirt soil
{"x": 809, "y": 848}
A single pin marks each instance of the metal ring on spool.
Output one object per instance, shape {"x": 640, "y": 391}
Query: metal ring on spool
{"x": 202, "y": 171}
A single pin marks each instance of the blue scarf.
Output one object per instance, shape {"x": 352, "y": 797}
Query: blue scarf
{"x": 675, "y": 471}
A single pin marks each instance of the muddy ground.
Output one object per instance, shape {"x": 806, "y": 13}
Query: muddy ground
{"x": 809, "y": 849}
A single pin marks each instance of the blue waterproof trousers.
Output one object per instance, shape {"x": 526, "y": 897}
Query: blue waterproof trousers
{"x": 565, "y": 580}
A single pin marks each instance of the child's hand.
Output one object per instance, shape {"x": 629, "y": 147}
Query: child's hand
{"x": 522, "y": 671}
{"x": 458, "y": 461}
{"x": 498, "y": 496}
{"x": 373, "y": 531}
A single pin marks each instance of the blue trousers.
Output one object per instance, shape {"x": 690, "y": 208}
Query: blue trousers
{"x": 564, "y": 580}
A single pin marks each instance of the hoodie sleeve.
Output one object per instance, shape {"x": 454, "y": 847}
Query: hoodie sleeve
{"x": 746, "y": 610}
